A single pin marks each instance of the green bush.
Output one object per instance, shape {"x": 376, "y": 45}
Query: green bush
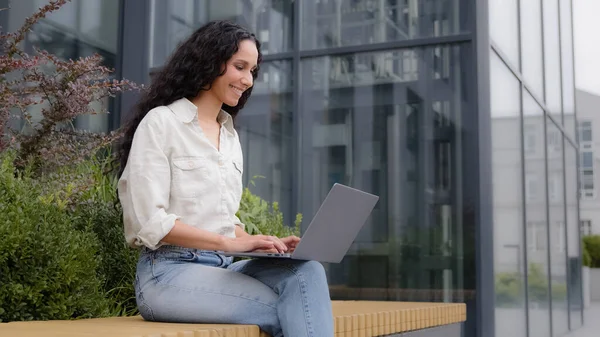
{"x": 117, "y": 261}
{"x": 98, "y": 211}
{"x": 559, "y": 292}
{"x": 262, "y": 218}
{"x": 591, "y": 245}
{"x": 47, "y": 267}
{"x": 587, "y": 259}
{"x": 510, "y": 291}
{"x": 509, "y": 288}
{"x": 62, "y": 250}
{"x": 538, "y": 283}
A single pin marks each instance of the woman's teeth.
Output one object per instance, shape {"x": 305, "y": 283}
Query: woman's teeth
{"x": 237, "y": 90}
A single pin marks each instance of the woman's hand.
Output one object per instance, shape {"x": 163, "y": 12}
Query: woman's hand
{"x": 248, "y": 243}
{"x": 291, "y": 242}
{"x": 278, "y": 245}
{"x": 283, "y": 245}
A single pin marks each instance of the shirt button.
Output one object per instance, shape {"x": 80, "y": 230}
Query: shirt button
{"x": 191, "y": 164}
{"x": 220, "y": 162}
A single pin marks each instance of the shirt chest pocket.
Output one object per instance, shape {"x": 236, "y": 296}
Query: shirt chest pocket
{"x": 190, "y": 177}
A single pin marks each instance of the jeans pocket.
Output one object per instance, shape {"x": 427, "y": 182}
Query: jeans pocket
{"x": 211, "y": 259}
{"x": 182, "y": 255}
{"x": 145, "y": 311}
{"x": 144, "y": 308}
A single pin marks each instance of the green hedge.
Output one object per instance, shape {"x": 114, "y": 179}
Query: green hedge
{"x": 47, "y": 268}
{"x": 62, "y": 250}
{"x": 591, "y": 251}
{"x": 510, "y": 289}
{"x": 260, "y": 217}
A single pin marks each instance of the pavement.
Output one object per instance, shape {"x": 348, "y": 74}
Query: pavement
{"x": 591, "y": 322}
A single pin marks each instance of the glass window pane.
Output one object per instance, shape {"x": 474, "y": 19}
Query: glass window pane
{"x": 585, "y": 131}
{"x": 390, "y": 123}
{"x": 174, "y": 21}
{"x": 504, "y": 28}
{"x": 552, "y": 58}
{"x": 266, "y": 131}
{"x": 557, "y": 230}
{"x": 537, "y": 227}
{"x": 509, "y": 245}
{"x": 574, "y": 246}
{"x": 335, "y": 23}
{"x": 587, "y": 160}
{"x": 568, "y": 80}
{"x": 531, "y": 46}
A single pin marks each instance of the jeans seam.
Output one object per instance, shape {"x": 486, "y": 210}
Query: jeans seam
{"x": 302, "y": 283}
{"x": 206, "y": 291}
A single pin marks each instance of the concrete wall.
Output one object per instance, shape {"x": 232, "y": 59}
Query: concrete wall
{"x": 588, "y": 109}
{"x": 595, "y": 284}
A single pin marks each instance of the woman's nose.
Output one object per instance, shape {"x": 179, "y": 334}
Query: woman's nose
{"x": 247, "y": 80}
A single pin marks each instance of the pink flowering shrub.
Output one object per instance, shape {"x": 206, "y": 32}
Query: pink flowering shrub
{"x": 61, "y": 89}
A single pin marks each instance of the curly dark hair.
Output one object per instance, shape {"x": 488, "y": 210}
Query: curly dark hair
{"x": 193, "y": 67}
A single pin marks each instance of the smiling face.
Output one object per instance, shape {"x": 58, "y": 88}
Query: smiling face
{"x": 237, "y": 78}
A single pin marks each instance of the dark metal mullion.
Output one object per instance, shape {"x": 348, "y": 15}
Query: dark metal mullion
{"x": 524, "y": 207}
{"x": 518, "y": 73}
{"x": 296, "y": 112}
{"x": 4, "y": 15}
{"x": 547, "y": 113}
{"x": 133, "y": 44}
{"x": 484, "y": 318}
{"x": 560, "y": 65}
{"x": 564, "y": 173}
{"x": 544, "y": 96}
{"x": 390, "y": 45}
{"x": 115, "y": 118}
{"x": 549, "y": 268}
{"x": 367, "y": 48}
{"x": 576, "y": 124}
{"x": 566, "y": 232}
{"x": 279, "y": 56}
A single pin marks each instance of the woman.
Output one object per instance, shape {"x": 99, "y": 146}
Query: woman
{"x": 180, "y": 188}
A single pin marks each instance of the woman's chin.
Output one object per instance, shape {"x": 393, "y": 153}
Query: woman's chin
{"x": 232, "y": 102}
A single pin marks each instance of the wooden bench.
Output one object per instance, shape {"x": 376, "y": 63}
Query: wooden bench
{"x": 352, "y": 319}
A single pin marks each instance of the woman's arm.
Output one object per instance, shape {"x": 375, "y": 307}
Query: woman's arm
{"x": 191, "y": 237}
{"x": 239, "y": 232}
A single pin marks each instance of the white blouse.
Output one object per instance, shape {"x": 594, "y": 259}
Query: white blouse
{"x": 174, "y": 172}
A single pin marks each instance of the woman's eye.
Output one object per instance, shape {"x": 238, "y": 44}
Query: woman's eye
{"x": 239, "y": 67}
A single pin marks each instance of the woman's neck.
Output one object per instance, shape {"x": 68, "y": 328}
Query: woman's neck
{"x": 208, "y": 106}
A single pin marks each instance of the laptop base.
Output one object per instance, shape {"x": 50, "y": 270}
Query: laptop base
{"x": 257, "y": 255}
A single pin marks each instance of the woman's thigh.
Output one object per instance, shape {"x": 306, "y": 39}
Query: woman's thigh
{"x": 304, "y": 305}
{"x": 192, "y": 287}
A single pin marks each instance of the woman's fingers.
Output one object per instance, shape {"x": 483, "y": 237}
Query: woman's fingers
{"x": 291, "y": 241}
{"x": 278, "y": 245}
{"x": 265, "y": 244}
{"x": 281, "y": 247}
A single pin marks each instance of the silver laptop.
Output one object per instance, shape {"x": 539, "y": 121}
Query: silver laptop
{"x": 333, "y": 229}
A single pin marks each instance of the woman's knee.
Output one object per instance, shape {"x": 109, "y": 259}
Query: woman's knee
{"x": 313, "y": 270}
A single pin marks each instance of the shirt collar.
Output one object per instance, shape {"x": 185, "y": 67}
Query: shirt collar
{"x": 187, "y": 112}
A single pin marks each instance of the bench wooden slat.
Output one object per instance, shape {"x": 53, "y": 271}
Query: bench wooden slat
{"x": 352, "y": 318}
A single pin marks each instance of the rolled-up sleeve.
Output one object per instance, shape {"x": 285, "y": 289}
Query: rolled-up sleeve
{"x": 238, "y": 222}
{"x": 144, "y": 188}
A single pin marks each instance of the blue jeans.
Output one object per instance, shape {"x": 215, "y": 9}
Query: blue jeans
{"x": 283, "y": 297}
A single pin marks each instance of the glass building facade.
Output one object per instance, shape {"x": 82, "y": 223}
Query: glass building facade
{"x": 537, "y": 265}
{"x": 459, "y": 114}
